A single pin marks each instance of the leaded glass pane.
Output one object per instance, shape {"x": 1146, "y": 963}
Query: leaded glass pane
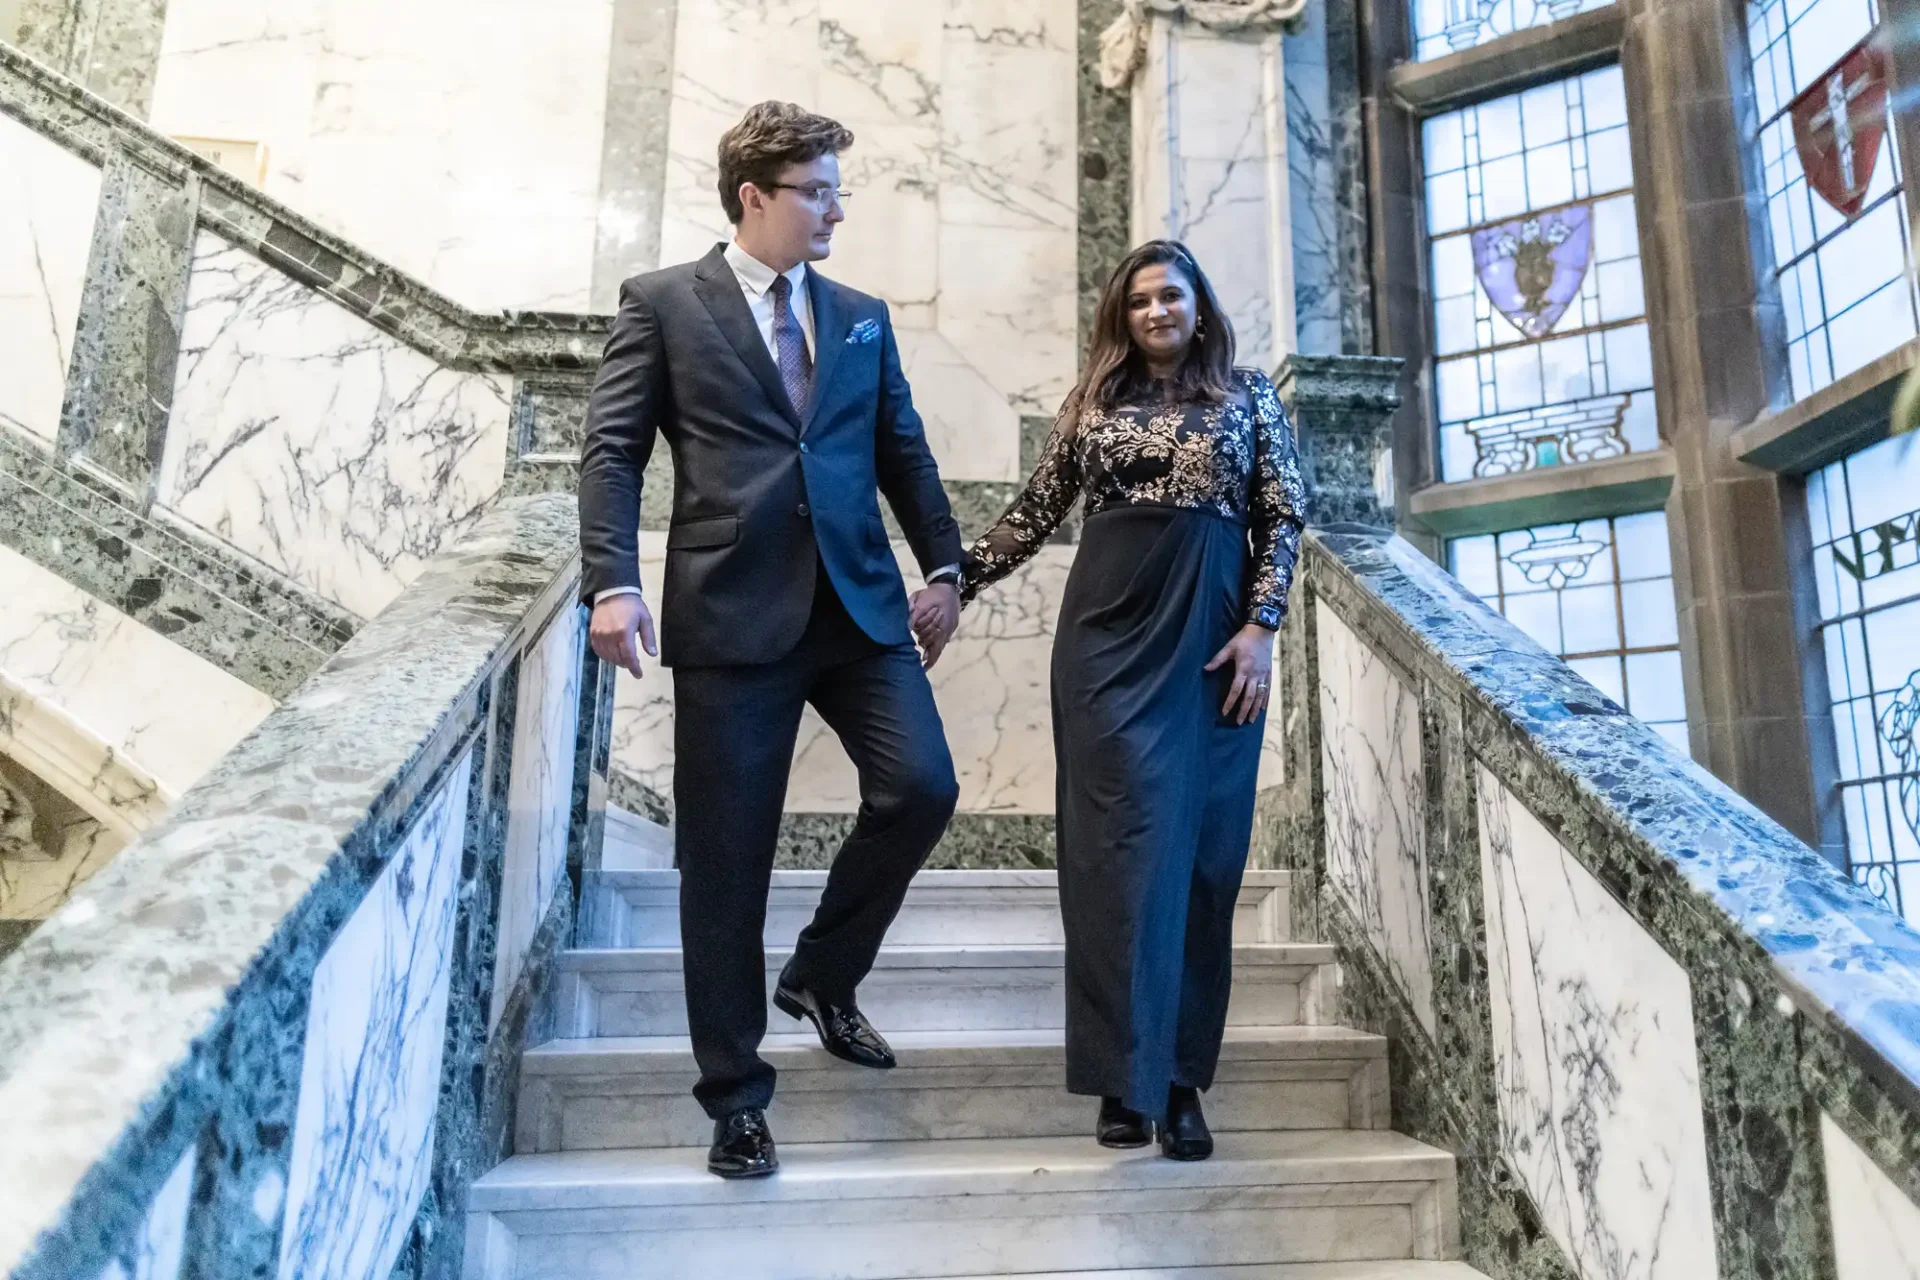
{"x": 1846, "y": 282}
{"x": 1864, "y": 512}
{"x": 1599, "y": 594}
{"x": 1540, "y": 336}
{"x": 1441, "y": 27}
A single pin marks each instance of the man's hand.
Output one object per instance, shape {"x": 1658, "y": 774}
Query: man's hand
{"x": 611, "y": 632}
{"x": 934, "y": 615}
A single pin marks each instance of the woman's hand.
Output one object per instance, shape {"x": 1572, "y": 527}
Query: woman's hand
{"x": 1251, "y": 653}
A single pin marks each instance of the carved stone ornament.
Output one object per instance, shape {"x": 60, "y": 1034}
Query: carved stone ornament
{"x": 16, "y": 825}
{"x": 1123, "y": 45}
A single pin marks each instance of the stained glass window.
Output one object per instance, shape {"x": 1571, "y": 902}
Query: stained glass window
{"x": 1845, "y": 281}
{"x": 1441, "y": 27}
{"x": 1599, "y": 594}
{"x": 1866, "y": 532}
{"x": 1541, "y": 354}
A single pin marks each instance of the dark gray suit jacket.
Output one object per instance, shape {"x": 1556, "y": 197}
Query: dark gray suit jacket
{"x": 760, "y": 495}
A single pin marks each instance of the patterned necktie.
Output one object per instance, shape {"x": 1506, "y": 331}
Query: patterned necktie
{"x": 796, "y": 366}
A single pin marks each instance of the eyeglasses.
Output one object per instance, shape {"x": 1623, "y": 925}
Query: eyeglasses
{"x": 814, "y": 193}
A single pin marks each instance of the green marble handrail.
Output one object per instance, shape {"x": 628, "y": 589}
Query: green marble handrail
{"x": 163, "y": 1009}
{"x": 1802, "y": 991}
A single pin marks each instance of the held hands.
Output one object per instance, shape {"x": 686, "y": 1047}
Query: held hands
{"x": 934, "y": 614}
{"x": 611, "y": 632}
{"x": 1251, "y": 653}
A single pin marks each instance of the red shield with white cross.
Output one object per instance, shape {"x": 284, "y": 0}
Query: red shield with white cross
{"x": 1838, "y": 124}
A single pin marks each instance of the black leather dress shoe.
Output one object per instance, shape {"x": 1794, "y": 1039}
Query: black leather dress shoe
{"x": 1185, "y": 1135}
{"x": 743, "y": 1146}
{"x": 844, "y": 1030}
{"x": 1120, "y": 1128}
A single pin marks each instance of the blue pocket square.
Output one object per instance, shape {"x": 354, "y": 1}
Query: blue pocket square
{"x": 864, "y": 332}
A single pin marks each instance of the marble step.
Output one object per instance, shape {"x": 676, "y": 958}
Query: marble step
{"x": 634, "y": 843}
{"x": 583, "y": 1095}
{"x": 638, "y": 991}
{"x": 901, "y": 1210}
{"x": 943, "y": 908}
{"x": 1390, "y": 1269}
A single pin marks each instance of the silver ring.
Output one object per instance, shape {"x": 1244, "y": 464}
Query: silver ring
{"x": 1262, "y": 686}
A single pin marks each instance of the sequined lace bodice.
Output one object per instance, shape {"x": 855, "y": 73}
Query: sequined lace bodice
{"x": 1235, "y": 460}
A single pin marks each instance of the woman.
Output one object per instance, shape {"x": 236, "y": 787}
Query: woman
{"x": 1161, "y": 672}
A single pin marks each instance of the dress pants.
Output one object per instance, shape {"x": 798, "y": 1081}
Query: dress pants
{"x": 734, "y": 734}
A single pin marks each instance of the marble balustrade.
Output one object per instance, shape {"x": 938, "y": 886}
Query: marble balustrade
{"x": 1665, "y": 1039}
{"x": 251, "y": 1044}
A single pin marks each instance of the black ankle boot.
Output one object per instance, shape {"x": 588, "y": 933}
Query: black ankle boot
{"x": 1120, "y": 1128}
{"x": 1185, "y": 1135}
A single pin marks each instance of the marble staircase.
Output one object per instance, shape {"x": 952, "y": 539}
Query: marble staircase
{"x": 968, "y": 1160}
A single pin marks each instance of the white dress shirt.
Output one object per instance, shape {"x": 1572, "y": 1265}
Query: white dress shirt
{"x": 756, "y": 284}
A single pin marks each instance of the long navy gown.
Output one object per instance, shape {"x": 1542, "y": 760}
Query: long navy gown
{"x": 1193, "y": 519}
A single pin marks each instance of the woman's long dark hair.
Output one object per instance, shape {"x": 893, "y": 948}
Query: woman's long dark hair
{"x": 1114, "y": 365}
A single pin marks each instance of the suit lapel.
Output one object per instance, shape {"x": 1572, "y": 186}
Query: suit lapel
{"x": 829, "y": 335}
{"x": 717, "y": 287}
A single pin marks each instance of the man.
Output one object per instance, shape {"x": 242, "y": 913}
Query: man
{"x": 782, "y": 398}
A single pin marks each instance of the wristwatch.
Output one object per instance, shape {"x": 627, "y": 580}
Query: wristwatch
{"x": 948, "y": 574}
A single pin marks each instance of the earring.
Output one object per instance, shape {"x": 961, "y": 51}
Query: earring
{"x": 1200, "y": 327}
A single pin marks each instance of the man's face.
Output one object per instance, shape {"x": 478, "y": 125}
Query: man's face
{"x": 799, "y": 215}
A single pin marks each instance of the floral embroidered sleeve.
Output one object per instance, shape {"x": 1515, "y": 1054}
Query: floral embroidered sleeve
{"x": 1278, "y": 510}
{"x": 1034, "y": 515}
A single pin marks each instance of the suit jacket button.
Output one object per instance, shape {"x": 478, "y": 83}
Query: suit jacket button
{"x": 801, "y": 510}
{"x": 803, "y": 446}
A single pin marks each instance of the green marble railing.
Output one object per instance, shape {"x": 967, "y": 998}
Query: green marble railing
{"x": 281, "y": 1031}
{"x": 1664, "y": 1038}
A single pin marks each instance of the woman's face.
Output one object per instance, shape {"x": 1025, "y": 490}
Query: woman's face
{"x": 1161, "y": 312}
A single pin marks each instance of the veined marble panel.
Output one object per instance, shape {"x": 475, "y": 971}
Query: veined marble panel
{"x": 539, "y": 796}
{"x": 1315, "y": 213}
{"x": 1376, "y": 806}
{"x": 991, "y": 686}
{"x": 156, "y": 1253}
{"x": 307, "y": 438}
{"x": 964, "y": 218}
{"x": 1596, "y": 1074}
{"x": 459, "y": 140}
{"x": 370, "y": 1074}
{"x": 48, "y": 201}
{"x": 1210, "y": 166}
{"x": 123, "y": 693}
{"x": 1876, "y": 1229}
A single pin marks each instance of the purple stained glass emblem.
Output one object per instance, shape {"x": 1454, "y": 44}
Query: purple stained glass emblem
{"x": 1532, "y": 267}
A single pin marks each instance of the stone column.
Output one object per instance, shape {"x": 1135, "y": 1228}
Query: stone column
{"x": 1210, "y": 149}
{"x": 1701, "y": 235}
{"x": 1342, "y": 409}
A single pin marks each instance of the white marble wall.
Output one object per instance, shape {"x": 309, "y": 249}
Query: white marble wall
{"x": 156, "y": 1253}
{"x": 370, "y": 1077}
{"x": 539, "y": 795}
{"x": 311, "y": 440}
{"x": 1376, "y": 806}
{"x": 1876, "y": 1228}
{"x": 459, "y": 140}
{"x": 991, "y": 686}
{"x": 48, "y": 199}
{"x": 1210, "y": 169}
{"x": 106, "y": 711}
{"x": 1595, "y": 1069}
{"x": 965, "y": 213}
